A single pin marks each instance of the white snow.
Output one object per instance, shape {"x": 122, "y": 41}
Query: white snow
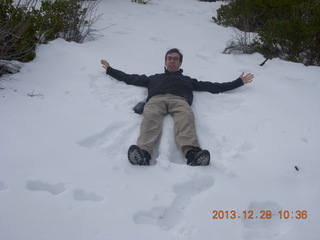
{"x": 65, "y": 128}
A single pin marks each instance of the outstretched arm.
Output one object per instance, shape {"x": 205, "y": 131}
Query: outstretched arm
{"x": 246, "y": 78}
{"x": 131, "y": 79}
{"x": 222, "y": 87}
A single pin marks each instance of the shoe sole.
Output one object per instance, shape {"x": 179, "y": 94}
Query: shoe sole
{"x": 201, "y": 159}
{"x": 136, "y": 156}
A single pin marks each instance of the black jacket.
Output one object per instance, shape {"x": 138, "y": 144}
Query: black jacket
{"x": 175, "y": 83}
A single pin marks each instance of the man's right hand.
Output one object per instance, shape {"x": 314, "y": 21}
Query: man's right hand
{"x": 105, "y": 64}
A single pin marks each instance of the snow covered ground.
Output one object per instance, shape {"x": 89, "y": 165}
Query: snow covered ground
{"x": 65, "y": 128}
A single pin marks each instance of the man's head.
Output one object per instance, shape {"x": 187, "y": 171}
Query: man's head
{"x": 173, "y": 60}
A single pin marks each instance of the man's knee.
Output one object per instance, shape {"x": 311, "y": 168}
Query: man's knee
{"x": 184, "y": 112}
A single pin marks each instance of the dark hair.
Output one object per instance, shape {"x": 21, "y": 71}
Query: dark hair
{"x": 175, "y": 50}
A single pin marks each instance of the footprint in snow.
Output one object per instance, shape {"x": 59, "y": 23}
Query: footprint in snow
{"x": 168, "y": 217}
{"x": 37, "y": 185}
{"x": 268, "y": 227}
{"x": 109, "y": 138}
{"x": 81, "y": 195}
{"x": 55, "y": 189}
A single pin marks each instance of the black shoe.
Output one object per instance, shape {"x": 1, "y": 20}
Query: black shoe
{"x": 138, "y": 156}
{"x": 198, "y": 157}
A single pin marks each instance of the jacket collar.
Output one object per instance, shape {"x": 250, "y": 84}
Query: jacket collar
{"x": 179, "y": 72}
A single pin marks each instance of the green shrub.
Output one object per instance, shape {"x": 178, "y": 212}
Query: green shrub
{"x": 296, "y": 37}
{"x": 288, "y": 29}
{"x": 18, "y": 28}
{"x": 61, "y": 18}
{"x": 245, "y": 15}
{"x": 23, "y": 27}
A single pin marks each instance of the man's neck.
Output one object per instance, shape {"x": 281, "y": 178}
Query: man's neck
{"x": 173, "y": 72}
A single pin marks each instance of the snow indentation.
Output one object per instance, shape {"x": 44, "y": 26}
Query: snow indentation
{"x": 168, "y": 217}
{"x": 54, "y": 189}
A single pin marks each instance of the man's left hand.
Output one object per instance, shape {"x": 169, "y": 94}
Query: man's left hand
{"x": 246, "y": 78}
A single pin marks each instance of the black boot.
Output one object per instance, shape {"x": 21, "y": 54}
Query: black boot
{"x": 198, "y": 157}
{"x": 138, "y": 156}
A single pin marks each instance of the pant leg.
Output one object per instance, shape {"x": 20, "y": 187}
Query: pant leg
{"x": 151, "y": 126}
{"x": 184, "y": 124}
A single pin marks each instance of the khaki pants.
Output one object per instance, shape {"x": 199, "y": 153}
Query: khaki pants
{"x": 154, "y": 112}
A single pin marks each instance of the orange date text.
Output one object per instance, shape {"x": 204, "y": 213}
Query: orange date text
{"x": 263, "y": 214}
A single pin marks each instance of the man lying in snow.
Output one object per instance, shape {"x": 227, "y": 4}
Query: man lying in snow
{"x": 171, "y": 92}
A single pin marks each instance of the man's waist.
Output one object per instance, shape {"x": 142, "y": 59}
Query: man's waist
{"x": 170, "y": 95}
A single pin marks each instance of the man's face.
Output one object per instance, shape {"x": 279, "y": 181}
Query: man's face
{"x": 172, "y": 62}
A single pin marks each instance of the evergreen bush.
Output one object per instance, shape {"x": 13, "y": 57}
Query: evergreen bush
{"x": 18, "y": 26}
{"x": 68, "y": 19}
{"x": 289, "y": 29}
{"x": 23, "y": 27}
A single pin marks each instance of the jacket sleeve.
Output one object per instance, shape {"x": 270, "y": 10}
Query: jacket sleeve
{"x": 216, "y": 87}
{"x": 130, "y": 79}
